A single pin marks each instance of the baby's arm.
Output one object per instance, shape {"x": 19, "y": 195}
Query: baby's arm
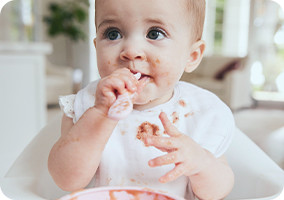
{"x": 75, "y": 157}
{"x": 215, "y": 181}
{"x": 210, "y": 177}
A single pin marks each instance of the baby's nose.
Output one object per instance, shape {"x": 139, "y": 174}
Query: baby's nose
{"x": 132, "y": 52}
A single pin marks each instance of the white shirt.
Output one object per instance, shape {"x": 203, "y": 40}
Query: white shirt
{"x": 196, "y": 112}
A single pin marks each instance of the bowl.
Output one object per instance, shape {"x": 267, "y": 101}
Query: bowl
{"x": 120, "y": 193}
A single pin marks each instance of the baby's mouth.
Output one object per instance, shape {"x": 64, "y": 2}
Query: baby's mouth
{"x": 144, "y": 76}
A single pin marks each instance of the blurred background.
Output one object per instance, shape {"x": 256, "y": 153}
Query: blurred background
{"x": 46, "y": 50}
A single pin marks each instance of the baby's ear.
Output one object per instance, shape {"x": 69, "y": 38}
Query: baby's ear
{"x": 196, "y": 55}
{"x": 95, "y": 42}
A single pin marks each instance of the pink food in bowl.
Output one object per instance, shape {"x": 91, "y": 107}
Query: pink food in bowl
{"x": 119, "y": 193}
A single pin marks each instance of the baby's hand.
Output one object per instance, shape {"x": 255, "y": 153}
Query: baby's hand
{"x": 109, "y": 87}
{"x": 189, "y": 158}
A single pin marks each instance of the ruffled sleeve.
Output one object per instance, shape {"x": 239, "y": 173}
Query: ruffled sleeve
{"x": 75, "y": 105}
{"x": 66, "y": 104}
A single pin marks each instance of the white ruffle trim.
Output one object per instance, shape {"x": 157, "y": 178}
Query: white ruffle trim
{"x": 67, "y": 105}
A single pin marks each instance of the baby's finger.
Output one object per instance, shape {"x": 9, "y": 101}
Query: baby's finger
{"x": 130, "y": 80}
{"x": 170, "y": 129}
{"x": 113, "y": 84}
{"x": 167, "y": 159}
{"x": 109, "y": 95}
{"x": 161, "y": 142}
{"x": 172, "y": 175}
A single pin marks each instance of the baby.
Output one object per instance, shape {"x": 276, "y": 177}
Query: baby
{"x": 175, "y": 138}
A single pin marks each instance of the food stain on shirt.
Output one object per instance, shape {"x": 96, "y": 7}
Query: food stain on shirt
{"x": 175, "y": 117}
{"x": 182, "y": 103}
{"x": 123, "y": 132}
{"x": 133, "y": 180}
{"x": 147, "y": 129}
{"x": 189, "y": 114}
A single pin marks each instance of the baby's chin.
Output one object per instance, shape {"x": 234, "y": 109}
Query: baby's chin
{"x": 146, "y": 101}
{"x": 142, "y": 104}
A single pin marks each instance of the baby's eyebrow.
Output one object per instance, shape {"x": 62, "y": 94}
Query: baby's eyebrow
{"x": 154, "y": 21}
{"x": 106, "y": 21}
{"x": 159, "y": 22}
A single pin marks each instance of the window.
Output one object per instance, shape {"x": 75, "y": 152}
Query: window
{"x": 227, "y": 27}
{"x": 18, "y": 21}
{"x": 279, "y": 42}
{"x": 267, "y": 70}
{"x": 218, "y": 33}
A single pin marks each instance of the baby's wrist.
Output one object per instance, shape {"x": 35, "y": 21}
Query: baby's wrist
{"x": 103, "y": 112}
{"x": 207, "y": 161}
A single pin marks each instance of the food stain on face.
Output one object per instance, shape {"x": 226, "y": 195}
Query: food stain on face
{"x": 147, "y": 129}
{"x": 182, "y": 103}
{"x": 154, "y": 65}
{"x": 175, "y": 117}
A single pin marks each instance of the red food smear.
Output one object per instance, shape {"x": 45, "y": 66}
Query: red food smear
{"x": 137, "y": 193}
{"x": 147, "y": 129}
{"x": 182, "y": 103}
{"x": 189, "y": 114}
{"x": 175, "y": 117}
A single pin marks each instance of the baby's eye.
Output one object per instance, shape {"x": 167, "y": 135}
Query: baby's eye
{"x": 113, "y": 34}
{"x": 156, "y": 34}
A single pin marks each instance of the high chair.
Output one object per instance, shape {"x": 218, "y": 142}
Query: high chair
{"x": 256, "y": 175}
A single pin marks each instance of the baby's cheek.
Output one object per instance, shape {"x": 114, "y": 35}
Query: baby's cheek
{"x": 106, "y": 68}
{"x": 169, "y": 78}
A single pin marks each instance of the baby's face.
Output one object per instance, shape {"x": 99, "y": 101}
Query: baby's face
{"x": 146, "y": 36}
